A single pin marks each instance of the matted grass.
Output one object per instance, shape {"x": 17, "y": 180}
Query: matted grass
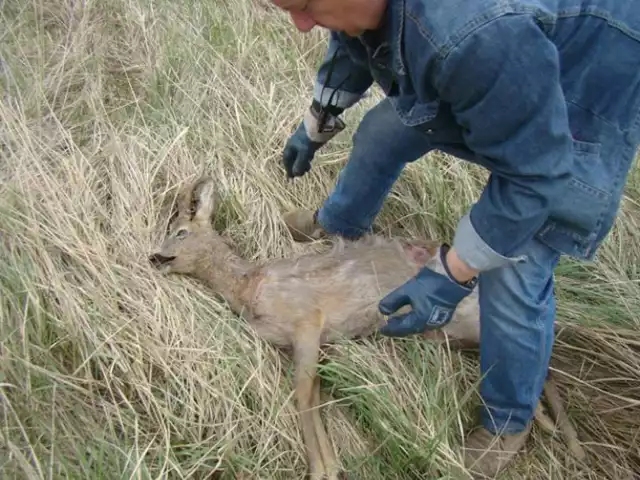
{"x": 109, "y": 370}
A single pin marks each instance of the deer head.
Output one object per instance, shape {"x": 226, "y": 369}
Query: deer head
{"x": 190, "y": 234}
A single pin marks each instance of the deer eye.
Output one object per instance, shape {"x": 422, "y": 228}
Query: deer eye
{"x": 180, "y": 234}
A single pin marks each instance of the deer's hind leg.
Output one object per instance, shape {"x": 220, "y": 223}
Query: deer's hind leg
{"x": 306, "y": 354}
{"x": 331, "y": 464}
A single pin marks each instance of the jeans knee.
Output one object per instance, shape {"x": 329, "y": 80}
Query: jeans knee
{"x": 384, "y": 142}
{"x": 519, "y": 297}
{"x": 376, "y": 123}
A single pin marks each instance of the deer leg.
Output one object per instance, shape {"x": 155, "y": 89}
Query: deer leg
{"x": 570, "y": 434}
{"x": 543, "y": 420}
{"x": 328, "y": 456}
{"x": 306, "y": 355}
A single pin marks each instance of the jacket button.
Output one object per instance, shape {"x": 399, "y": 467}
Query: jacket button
{"x": 430, "y": 131}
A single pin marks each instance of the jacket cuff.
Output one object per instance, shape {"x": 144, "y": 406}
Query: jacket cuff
{"x": 475, "y": 252}
{"x": 341, "y": 98}
{"x": 332, "y": 127}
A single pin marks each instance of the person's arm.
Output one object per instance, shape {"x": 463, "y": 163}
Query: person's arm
{"x": 342, "y": 76}
{"x": 503, "y": 82}
{"x": 340, "y": 83}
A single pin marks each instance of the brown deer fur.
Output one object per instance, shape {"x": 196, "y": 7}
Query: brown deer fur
{"x": 305, "y": 302}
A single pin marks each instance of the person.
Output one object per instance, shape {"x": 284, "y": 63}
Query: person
{"x": 544, "y": 94}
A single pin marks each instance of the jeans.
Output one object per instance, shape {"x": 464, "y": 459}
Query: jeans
{"x": 517, "y": 303}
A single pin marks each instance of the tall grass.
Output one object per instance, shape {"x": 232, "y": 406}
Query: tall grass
{"x": 108, "y": 370}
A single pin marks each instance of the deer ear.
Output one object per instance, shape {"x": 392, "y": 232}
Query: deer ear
{"x": 205, "y": 196}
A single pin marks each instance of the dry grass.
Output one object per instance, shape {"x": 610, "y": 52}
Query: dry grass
{"x": 108, "y": 370}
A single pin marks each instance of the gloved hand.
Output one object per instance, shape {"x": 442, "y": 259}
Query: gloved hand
{"x": 433, "y": 298}
{"x": 298, "y": 153}
{"x": 317, "y": 128}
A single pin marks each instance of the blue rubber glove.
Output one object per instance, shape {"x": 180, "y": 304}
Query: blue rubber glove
{"x": 320, "y": 124}
{"x": 298, "y": 153}
{"x": 433, "y": 298}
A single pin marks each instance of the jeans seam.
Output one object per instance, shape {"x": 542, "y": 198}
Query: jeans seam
{"x": 543, "y": 344}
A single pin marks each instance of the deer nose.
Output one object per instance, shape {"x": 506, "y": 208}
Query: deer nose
{"x": 157, "y": 259}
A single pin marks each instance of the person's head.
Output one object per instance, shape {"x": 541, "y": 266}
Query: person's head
{"x": 349, "y": 16}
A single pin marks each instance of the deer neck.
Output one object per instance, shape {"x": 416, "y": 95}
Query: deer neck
{"x": 228, "y": 275}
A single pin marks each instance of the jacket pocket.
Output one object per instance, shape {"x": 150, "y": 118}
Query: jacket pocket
{"x": 575, "y": 221}
{"x": 412, "y": 112}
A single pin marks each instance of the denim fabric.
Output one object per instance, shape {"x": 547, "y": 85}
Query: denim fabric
{"x": 517, "y": 313}
{"x": 516, "y": 303}
{"x": 546, "y": 96}
{"x": 382, "y": 146}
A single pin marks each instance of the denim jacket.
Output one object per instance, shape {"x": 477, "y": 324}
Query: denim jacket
{"x": 545, "y": 94}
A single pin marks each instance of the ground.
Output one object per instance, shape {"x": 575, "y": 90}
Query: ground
{"x": 110, "y": 370}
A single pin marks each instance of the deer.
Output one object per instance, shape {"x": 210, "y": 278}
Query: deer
{"x": 309, "y": 301}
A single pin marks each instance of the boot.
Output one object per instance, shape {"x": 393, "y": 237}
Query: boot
{"x": 485, "y": 454}
{"x": 304, "y": 226}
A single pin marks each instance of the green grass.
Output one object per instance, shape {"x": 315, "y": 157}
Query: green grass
{"x": 109, "y": 370}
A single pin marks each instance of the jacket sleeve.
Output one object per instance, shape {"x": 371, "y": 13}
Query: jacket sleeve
{"x": 341, "y": 75}
{"x": 502, "y": 82}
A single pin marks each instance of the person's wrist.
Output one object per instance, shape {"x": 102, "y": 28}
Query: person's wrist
{"x": 303, "y": 139}
{"x": 321, "y": 126}
{"x": 333, "y": 110}
{"x": 459, "y": 271}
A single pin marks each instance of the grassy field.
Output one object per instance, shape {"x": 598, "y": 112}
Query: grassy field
{"x": 109, "y": 370}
